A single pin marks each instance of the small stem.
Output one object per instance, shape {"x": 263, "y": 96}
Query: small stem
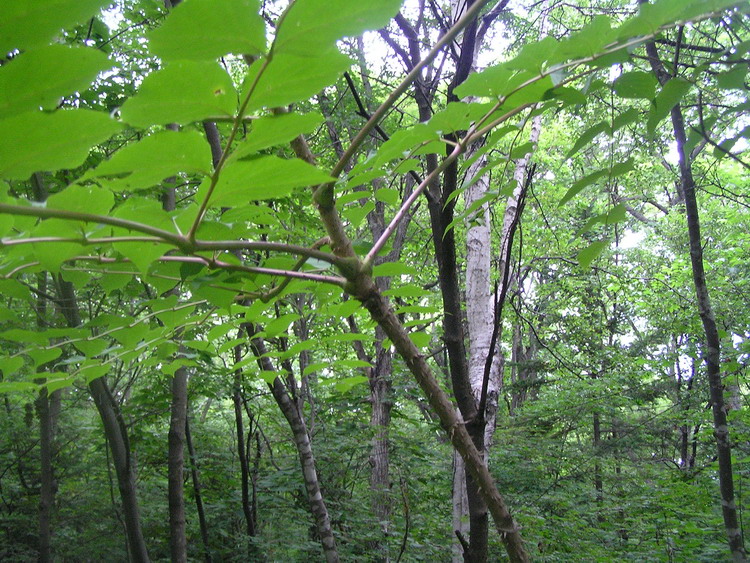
{"x": 225, "y": 153}
{"x": 47, "y": 213}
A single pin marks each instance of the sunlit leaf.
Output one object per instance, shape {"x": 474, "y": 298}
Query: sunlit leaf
{"x": 314, "y": 25}
{"x": 154, "y": 158}
{"x": 670, "y": 95}
{"x": 275, "y": 130}
{"x": 28, "y": 23}
{"x": 262, "y": 177}
{"x": 636, "y": 84}
{"x": 90, "y": 199}
{"x": 39, "y": 78}
{"x": 182, "y": 92}
{"x": 207, "y": 29}
{"x": 291, "y": 78}
{"x": 591, "y": 253}
{"x": 34, "y": 141}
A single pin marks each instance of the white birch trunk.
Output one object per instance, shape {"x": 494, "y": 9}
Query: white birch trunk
{"x": 480, "y": 313}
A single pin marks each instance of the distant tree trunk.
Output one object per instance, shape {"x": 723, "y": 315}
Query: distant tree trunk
{"x": 712, "y": 342}
{"x": 598, "y": 482}
{"x": 47, "y": 406}
{"x": 297, "y": 424}
{"x": 241, "y": 448}
{"x": 197, "y": 491}
{"x": 380, "y": 420}
{"x": 176, "y": 466}
{"x": 47, "y": 485}
{"x": 117, "y": 438}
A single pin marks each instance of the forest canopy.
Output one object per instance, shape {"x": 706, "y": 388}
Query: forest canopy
{"x": 374, "y": 281}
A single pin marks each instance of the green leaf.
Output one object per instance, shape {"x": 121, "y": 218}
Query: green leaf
{"x": 670, "y": 95}
{"x": 591, "y": 40}
{"x": 293, "y": 78}
{"x": 420, "y": 339}
{"x": 268, "y": 376}
{"x": 389, "y": 269}
{"x": 208, "y": 29}
{"x": 316, "y": 366}
{"x": 52, "y": 255}
{"x": 353, "y": 364}
{"x": 143, "y": 210}
{"x": 617, "y": 214}
{"x": 41, "y": 356}
{"x": 651, "y": 17}
{"x": 24, "y": 336}
{"x": 587, "y": 136}
{"x": 625, "y": 118}
{"x": 154, "y": 158}
{"x": 500, "y": 80}
{"x": 92, "y": 348}
{"x": 390, "y": 196}
{"x": 93, "y": 370}
{"x": 347, "y": 383}
{"x": 636, "y": 85}
{"x": 277, "y": 326}
{"x": 534, "y": 54}
{"x": 90, "y": 199}
{"x": 345, "y": 309}
{"x": 182, "y": 92}
{"x": 591, "y": 252}
{"x": 11, "y": 365}
{"x": 276, "y": 130}
{"x": 17, "y": 386}
{"x": 311, "y": 26}
{"x": 39, "y": 78}
{"x": 732, "y": 79}
{"x": 616, "y": 170}
{"x": 262, "y": 177}
{"x": 457, "y": 116}
{"x": 29, "y": 23}
{"x": 356, "y": 214}
{"x": 142, "y": 254}
{"x": 35, "y": 141}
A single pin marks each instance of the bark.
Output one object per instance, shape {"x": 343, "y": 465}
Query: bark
{"x": 176, "y": 465}
{"x": 363, "y": 288}
{"x": 117, "y": 438}
{"x": 241, "y": 451}
{"x": 712, "y": 342}
{"x": 47, "y": 484}
{"x": 380, "y": 420}
{"x": 304, "y": 449}
{"x": 479, "y": 315}
{"x": 46, "y": 411}
{"x": 197, "y": 491}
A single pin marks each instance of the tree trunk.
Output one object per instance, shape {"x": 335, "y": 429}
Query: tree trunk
{"x": 114, "y": 429}
{"x": 117, "y": 438}
{"x": 241, "y": 451}
{"x": 380, "y": 420}
{"x": 712, "y": 342}
{"x": 197, "y": 491}
{"x": 304, "y": 449}
{"x": 47, "y": 485}
{"x": 176, "y": 466}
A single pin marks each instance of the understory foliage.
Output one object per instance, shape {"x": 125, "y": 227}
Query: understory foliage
{"x": 224, "y": 212}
